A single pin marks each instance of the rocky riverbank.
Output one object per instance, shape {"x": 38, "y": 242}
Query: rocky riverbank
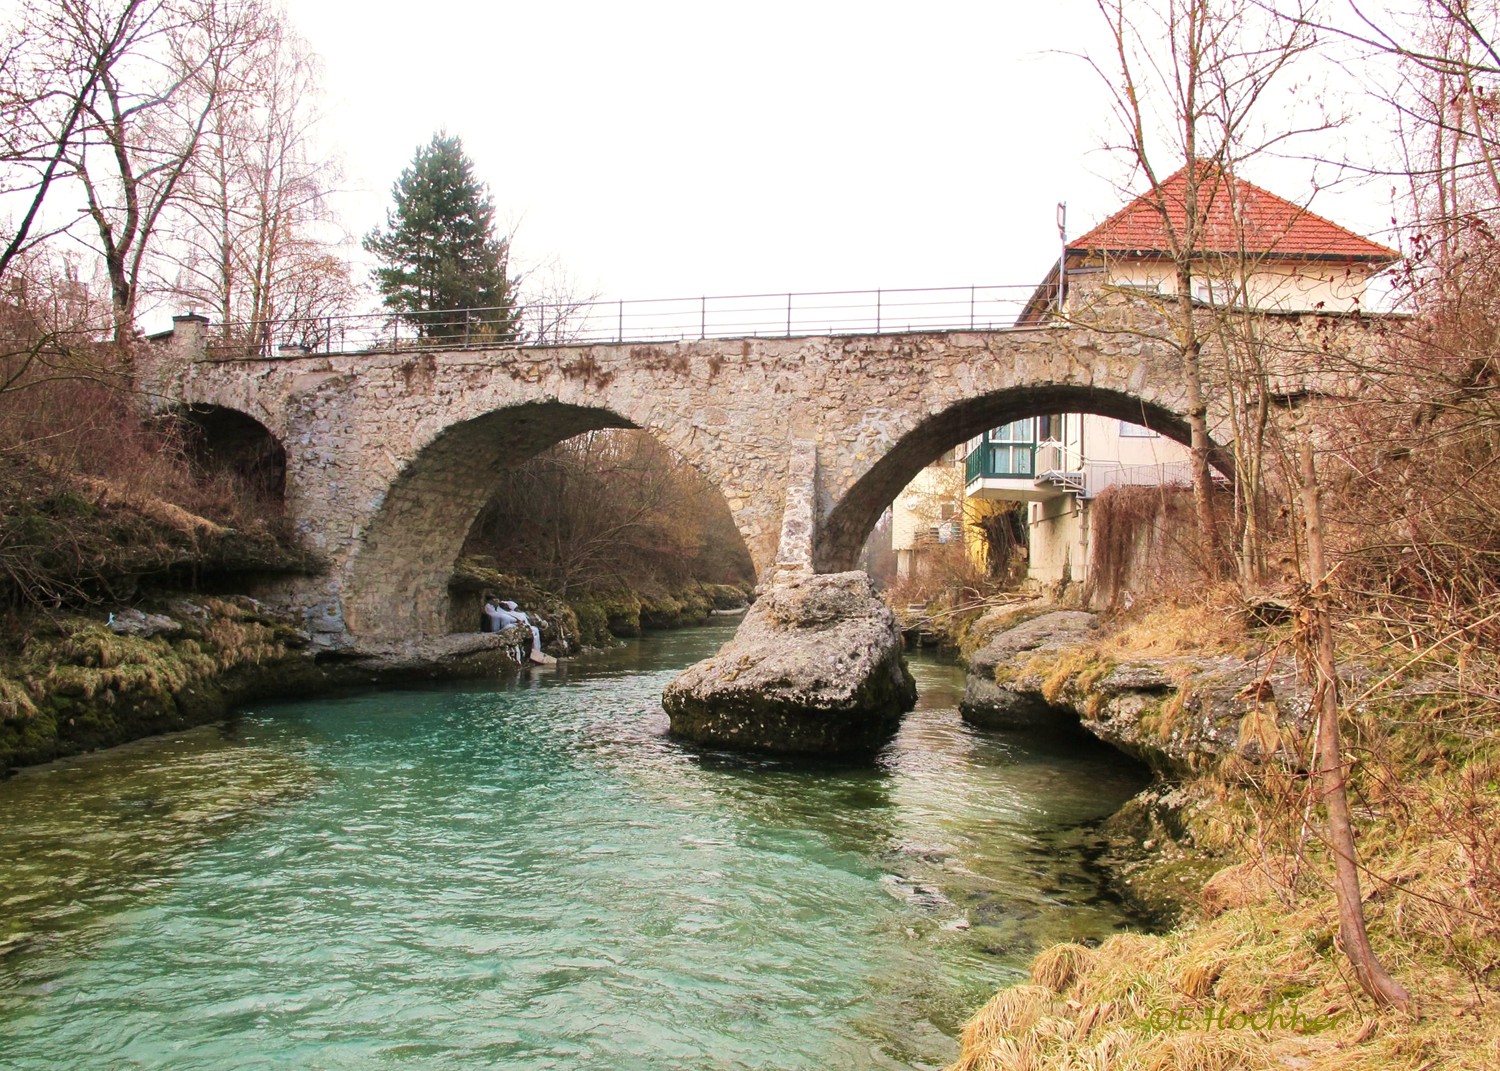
{"x": 1181, "y": 715}
{"x": 1252, "y": 976}
{"x": 79, "y": 683}
{"x": 591, "y": 618}
{"x": 83, "y": 681}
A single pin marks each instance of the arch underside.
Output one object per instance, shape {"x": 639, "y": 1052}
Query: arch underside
{"x": 396, "y": 586}
{"x": 225, "y": 439}
{"x": 843, "y": 531}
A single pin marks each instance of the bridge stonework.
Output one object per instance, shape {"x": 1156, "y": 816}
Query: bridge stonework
{"x": 390, "y": 456}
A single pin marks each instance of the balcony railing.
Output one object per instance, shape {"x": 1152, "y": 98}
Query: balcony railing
{"x": 1000, "y": 461}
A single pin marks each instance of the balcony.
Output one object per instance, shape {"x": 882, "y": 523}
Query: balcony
{"x": 1017, "y": 469}
{"x": 1000, "y": 461}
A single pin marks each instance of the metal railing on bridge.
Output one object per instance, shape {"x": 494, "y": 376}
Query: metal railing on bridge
{"x": 828, "y": 312}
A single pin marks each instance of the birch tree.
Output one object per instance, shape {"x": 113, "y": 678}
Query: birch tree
{"x": 253, "y": 232}
{"x": 158, "y": 68}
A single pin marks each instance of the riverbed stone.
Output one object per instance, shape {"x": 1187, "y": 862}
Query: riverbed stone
{"x": 815, "y": 668}
{"x": 1018, "y": 703}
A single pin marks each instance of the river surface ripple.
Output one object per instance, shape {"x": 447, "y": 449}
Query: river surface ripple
{"x": 533, "y": 875}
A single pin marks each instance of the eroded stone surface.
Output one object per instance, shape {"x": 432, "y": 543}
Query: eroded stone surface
{"x": 1012, "y": 705}
{"x": 815, "y": 668}
{"x": 1178, "y": 715}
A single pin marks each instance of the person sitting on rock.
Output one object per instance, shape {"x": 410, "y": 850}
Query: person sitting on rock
{"x": 501, "y": 614}
{"x": 521, "y": 619}
{"x": 498, "y": 618}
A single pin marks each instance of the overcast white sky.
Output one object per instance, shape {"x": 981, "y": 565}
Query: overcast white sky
{"x": 662, "y": 148}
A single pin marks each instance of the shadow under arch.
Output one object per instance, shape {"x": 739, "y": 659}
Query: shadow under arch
{"x": 395, "y": 588}
{"x": 853, "y": 517}
{"x": 221, "y": 439}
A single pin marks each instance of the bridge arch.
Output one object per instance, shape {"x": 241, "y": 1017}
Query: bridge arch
{"x": 850, "y": 520}
{"x": 396, "y": 587}
{"x": 223, "y": 438}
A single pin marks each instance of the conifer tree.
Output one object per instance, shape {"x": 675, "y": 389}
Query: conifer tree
{"x": 444, "y": 269}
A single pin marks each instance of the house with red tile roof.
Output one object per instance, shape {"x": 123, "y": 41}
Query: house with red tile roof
{"x": 1250, "y": 247}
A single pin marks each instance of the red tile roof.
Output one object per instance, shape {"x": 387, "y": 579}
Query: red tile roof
{"x": 1271, "y": 225}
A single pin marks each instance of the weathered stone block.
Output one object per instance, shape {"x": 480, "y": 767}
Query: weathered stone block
{"x": 816, "y": 668}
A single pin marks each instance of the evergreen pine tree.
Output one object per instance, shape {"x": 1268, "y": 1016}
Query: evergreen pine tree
{"x": 444, "y": 269}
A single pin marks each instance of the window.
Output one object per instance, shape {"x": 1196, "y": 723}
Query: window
{"x": 1017, "y": 431}
{"x": 1135, "y": 431}
{"x": 1012, "y": 448}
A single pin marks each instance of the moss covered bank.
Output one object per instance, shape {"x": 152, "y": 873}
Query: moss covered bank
{"x": 75, "y": 682}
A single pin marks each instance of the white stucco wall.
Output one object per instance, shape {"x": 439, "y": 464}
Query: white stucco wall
{"x": 1059, "y": 545}
{"x": 1291, "y": 285}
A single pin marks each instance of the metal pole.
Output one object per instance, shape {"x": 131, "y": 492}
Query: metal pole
{"x": 703, "y": 317}
{"x": 620, "y": 323}
{"x": 1062, "y": 256}
{"x": 789, "y": 316}
{"x": 877, "y": 312}
{"x": 971, "y": 308}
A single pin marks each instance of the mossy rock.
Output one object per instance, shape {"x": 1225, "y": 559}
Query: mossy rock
{"x": 79, "y": 687}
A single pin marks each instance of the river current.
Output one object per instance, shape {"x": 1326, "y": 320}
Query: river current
{"x": 533, "y": 875}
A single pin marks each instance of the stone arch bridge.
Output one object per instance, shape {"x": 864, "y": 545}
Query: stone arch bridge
{"x": 391, "y": 455}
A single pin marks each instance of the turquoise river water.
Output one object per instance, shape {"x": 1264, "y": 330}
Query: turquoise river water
{"x": 533, "y": 875}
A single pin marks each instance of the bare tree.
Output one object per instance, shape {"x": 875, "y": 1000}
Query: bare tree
{"x": 1192, "y": 88}
{"x": 157, "y": 67}
{"x": 1190, "y": 83}
{"x": 607, "y": 508}
{"x": 44, "y": 97}
{"x": 253, "y": 230}
{"x": 555, "y": 308}
{"x": 1372, "y": 975}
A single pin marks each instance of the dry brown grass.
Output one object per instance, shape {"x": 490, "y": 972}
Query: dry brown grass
{"x": 1268, "y": 941}
{"x": 1208, "y": 623}
{"x": 1248, "y": 884}
{"x": 1061, "y": 965}
{"x": 1425, "y": 781}
{"x": 93, "y": 496}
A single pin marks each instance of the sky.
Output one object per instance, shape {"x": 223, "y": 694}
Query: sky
{"x": 663, "y": 149}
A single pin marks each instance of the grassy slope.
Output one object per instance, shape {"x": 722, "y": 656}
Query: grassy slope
{"x": 1425, "y": 782}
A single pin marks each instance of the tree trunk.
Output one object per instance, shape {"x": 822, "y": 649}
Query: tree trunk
{"x": 1372, "y": 975}
{"x": 1191, "y": 348}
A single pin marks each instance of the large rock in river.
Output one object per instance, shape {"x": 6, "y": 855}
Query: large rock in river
{"x": 815, "y": 668}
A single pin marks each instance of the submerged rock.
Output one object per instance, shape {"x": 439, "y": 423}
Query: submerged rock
{"x": 815, "y": 668}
